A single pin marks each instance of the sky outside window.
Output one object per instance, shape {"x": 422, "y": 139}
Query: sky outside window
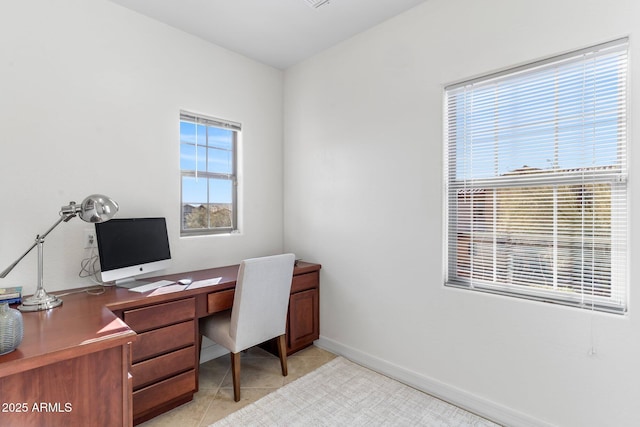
{"x": 206, "y": 149}
{"x": 536, "y": 121}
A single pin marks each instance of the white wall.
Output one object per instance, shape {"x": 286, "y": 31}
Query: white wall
{"x": 363, "y": 196}
{"x": 84, "y": 84}
{"x": 90, "y": 94}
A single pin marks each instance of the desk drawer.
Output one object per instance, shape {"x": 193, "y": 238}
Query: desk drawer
{"x": 148, "y": 398}
{"x": 220, "y": 301}
{"x": 161, "y": 367}
{"x": 155, "y": 316}
{"x": 306, "y": 281}
{"x": 163, "y": 340}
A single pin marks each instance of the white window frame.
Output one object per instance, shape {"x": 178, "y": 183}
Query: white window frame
{"x": 232, "y": 177}
{"x": 555, "y": 177}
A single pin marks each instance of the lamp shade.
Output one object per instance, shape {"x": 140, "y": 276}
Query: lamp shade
{"x": 97, "y": 208}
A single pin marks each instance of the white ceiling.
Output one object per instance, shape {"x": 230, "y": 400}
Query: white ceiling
{"x": 279, "y": 33}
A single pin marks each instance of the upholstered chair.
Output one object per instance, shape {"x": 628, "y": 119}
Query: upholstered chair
{"x": 259, "y": 311}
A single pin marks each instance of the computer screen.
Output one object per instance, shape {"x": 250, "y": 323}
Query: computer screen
{"x": 129, "y": 247}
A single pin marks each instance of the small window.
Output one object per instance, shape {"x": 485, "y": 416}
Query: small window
{"x": 536, "y": 178}
{"x": 208, "y": 173}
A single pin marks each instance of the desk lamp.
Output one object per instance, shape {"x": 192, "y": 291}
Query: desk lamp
{"x": 94, "y": 208}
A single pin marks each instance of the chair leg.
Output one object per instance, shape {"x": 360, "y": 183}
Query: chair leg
{"x": 282, "y": 352}
{"x": 235, "y": 372}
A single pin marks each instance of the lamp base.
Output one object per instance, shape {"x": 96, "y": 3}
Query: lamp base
{"x": 40, "y": 301}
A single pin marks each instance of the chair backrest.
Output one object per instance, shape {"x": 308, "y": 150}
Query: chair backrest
{"x": 261, "y": 300}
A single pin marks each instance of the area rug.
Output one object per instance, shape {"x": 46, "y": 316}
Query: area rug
{"x": 342, "y": 393}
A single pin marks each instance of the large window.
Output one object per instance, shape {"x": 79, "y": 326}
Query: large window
{"x": 208, "y": 156}
{"x": 536, "y": 178}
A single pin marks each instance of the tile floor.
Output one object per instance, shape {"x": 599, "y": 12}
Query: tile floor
{"x": 260, "y": 375}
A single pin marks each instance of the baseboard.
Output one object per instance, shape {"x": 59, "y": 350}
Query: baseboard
{"x": 465, "y": 400}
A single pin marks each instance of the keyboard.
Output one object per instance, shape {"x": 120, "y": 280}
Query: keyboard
{"x": 151, "y": 286}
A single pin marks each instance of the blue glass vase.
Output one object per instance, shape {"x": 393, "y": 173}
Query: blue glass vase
{"x": 11, "y": 328}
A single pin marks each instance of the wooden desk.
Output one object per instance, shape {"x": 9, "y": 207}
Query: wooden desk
{"x": 121, "y": 358}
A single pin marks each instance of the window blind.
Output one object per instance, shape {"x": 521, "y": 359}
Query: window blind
{"x": 209, "y": 121}
{"x": 536, "y": 182}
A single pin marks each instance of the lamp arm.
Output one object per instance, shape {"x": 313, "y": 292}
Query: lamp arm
{"x": 64, "y": 217}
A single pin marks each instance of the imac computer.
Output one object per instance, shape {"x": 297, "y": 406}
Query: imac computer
{"x": 129, "y": 247}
